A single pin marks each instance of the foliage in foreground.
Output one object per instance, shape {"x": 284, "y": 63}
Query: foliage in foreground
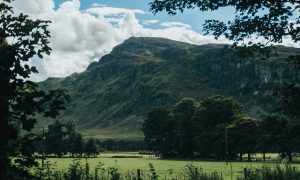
{"x": 22, "y": 39}
{"x": 81, "y": 171}
{"x": 268, "y": 173}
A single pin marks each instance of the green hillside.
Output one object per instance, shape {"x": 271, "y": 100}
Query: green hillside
{"x": 142, "y": 73}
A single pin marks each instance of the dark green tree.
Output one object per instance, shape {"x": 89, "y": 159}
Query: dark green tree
{"x": 181, "y": 116}
{"x": 70, "y": 143}
{"x": 291, "y": 101}
{"x": 242, "y": 136}
{"x": 270, "y": 20}
{"x": 158, "y": 131}
{"x": 281, "y": 134}
{"x": 266, "y": 137}
{"x": 79, "y": 145}
{"x": 20, "y": 99}
{"x": 210, "y": 120}
{"x": 291, "y": 138}
{"x": 267, "y": 21}
{"x": 90, "y": 148}
{"x": 70, "y": 137}
{"x": 54, "y": 140}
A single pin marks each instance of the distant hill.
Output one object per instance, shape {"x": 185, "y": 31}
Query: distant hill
{"x": 142, "y": 73}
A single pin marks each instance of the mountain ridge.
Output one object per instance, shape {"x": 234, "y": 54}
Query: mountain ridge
{"x": 141, "y": 73}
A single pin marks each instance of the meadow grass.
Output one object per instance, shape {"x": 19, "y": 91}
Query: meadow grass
{"x": 114, "y": 134}
{"x": 162, "y": 166}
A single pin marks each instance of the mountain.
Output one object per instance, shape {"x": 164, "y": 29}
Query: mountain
{"x": 141, "y": 73}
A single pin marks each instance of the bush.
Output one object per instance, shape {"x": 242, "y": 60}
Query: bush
{"x": 268, "y": 173}
{"x": 114, "y": 174}
{"x": 76, "y": 171}
{"x": 192, "y": 172}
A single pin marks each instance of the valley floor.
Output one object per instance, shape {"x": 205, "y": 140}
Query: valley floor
{"x": 134, "y": 161}
{"x": 114, "y": 134}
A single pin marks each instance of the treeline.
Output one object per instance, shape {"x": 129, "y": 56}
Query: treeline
{"x": 63, "y": 138}
{"x": 218, "y": 128}
{"x": 121, "y": 145}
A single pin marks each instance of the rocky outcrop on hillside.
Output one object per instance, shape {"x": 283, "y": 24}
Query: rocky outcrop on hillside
{"x": 142, "y": 73}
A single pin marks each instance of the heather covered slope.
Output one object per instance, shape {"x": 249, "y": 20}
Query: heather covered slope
{"x": 143, "y": 73}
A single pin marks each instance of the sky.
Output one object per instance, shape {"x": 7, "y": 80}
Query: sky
{"x": 82, "y": 31}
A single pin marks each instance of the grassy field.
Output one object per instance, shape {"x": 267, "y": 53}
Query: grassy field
{"x": 114, "y": 134}
{"x": 162, "y": 166}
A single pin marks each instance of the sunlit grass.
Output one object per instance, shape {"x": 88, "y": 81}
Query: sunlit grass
{"x": 114, "y": 134}
{"x": 162, "y": 166}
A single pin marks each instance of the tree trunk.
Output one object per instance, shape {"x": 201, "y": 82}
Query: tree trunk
{"x": 264, "y": 156}
{"x": 290, "y": 157}
{"x": 4, "y": 110}
{"x": 241, "y": 156}
{"x": 249, "y": 157}
{"x": 4, "y": 114}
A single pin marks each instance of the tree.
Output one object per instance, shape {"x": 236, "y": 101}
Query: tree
{"x": 70, "y": 137}
{"x": 158, "y": 132}
{"x": 181, "y": 116}
{"x": 266, "y": 138}
{"x": 291, "y": 138}
{"x": 281, "y": 135}
{"x": 210, "y": 120}
{"x": 291, "y": 101}
{"x": 20, "y": 99}
{"x": 90, "y": 148}
{"x": 54, "y": 140}
{"x": 242, "y": 136}
{"x": 270, "y": 20}
{"x": 79, "y": 145}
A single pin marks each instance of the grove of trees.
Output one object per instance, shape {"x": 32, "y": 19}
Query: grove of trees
{"x": 255, "y": 30}
{"x": 63, "y": 138}
{"x": 217, "y": 127}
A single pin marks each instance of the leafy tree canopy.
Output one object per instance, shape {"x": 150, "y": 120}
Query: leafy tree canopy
{"x": 90, "y": 148}
{"x": 242, "y": 136}
{"x": 270, "y": 19}
{"x": 216, "y": 110}
{"x": 181, "y": 116}
{"x": 210, "y": 120}
{"x": 21, "y": 39}
{"x": 154, "y": 128}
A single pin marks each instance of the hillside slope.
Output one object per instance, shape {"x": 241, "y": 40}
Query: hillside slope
{"x": 142, "y": 73}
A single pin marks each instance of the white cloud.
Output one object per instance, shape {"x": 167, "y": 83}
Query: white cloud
{"x": 150, "y": 22}
{"x": 176, "y": 24}
{"x": 113, "y": 19}
{"x": 111, "y": 11}
{"x": 98, "y": 5}
{"x": 77, "y": 37}
{"x": 80, "y": 37}
{"x": 34, "y": 8}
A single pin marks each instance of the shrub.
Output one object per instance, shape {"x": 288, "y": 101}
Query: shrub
{"x": 153, "y": 175}
{"x": 268, "y": 173}
{"x": 76, "y": 171}
{"x": 192, "y": 172}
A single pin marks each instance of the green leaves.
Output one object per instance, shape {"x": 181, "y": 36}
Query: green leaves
{"x": 197, "y": 128}
{"x": 20, "y": 99}
{"x": 269, "y": 20}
